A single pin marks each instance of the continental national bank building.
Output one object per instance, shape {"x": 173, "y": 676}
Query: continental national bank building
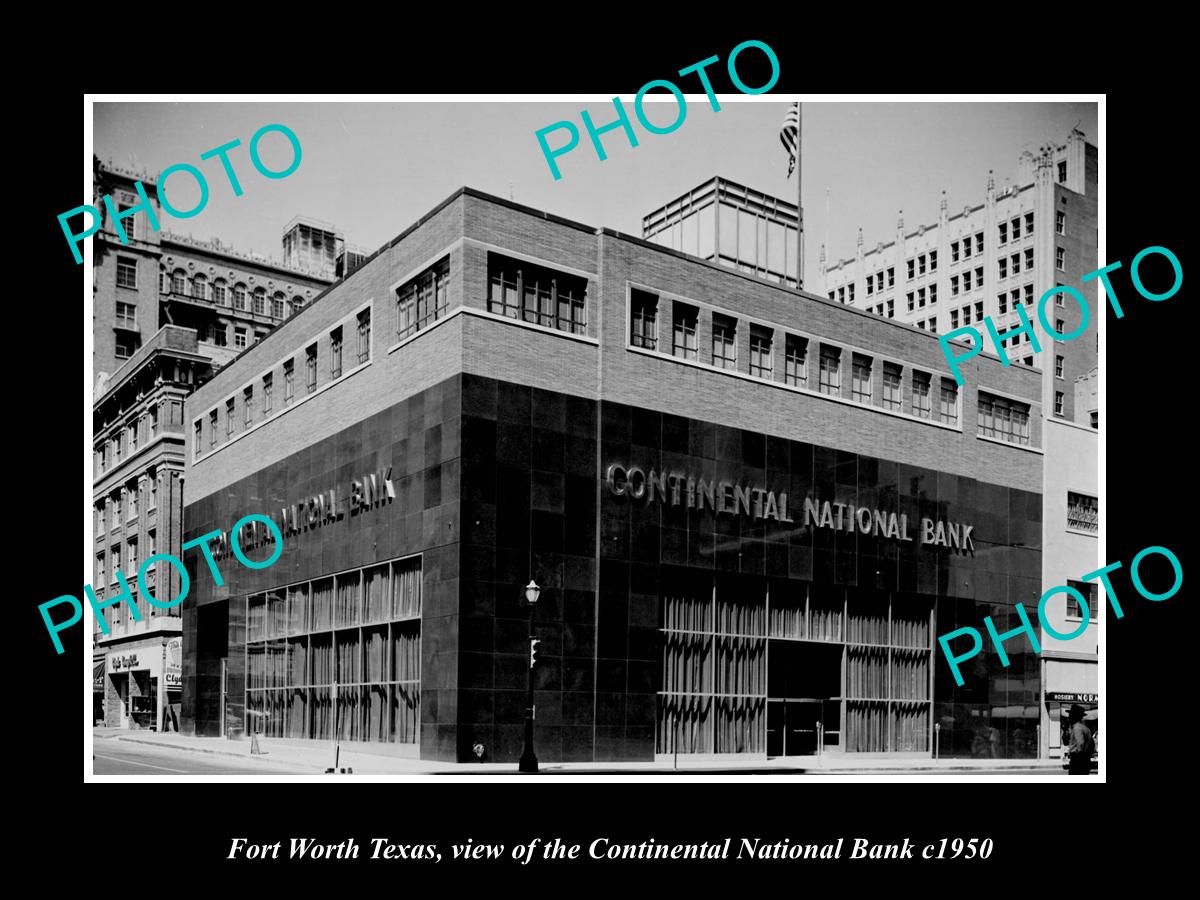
{"x": 750, "y": 511}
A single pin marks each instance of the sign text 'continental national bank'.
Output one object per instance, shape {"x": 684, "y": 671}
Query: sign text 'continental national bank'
{"x": 733, "y": 499}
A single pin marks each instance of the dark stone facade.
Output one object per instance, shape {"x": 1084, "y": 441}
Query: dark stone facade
{"x": 637, "y": 542}
{"x": 497, "y": 483}
{"x": 419, "y": 439}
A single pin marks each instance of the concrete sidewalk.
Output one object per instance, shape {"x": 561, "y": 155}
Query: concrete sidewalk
{"x": 310, "y": 758}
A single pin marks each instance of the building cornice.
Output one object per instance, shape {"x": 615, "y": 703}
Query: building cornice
{"x": 180, "y": 243}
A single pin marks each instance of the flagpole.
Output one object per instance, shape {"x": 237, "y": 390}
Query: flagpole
{"x": 827, "y": 220}
{"x": 799, "y": 206}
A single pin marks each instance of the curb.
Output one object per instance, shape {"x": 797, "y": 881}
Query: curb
{"x": 923, "y": 770}
{"x": 246, "y": 756}
{"x": 957, "y": 770}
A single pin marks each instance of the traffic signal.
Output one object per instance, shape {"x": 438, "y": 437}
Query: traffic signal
{"x": 535, "y": 654}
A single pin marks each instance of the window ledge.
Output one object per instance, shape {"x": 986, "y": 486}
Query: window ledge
{"x": 808, "y": 392}
{"x": 439, "y": 321}
{"x": 542, "y": 329}
{"x": 1027, "y": 447}
{"x": 237, "y": 436}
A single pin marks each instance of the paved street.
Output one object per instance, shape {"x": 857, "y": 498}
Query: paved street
{"x": 117, "y": 757}
{"x": 113, "y": 757}
{"x": 782, "y": 770}
{"x": 1007, "y": 772}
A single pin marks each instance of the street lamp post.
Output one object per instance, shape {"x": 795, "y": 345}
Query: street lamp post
{"x": 529, "y": 763}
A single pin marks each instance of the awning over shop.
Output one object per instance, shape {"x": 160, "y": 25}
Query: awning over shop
{"x": 1014, "y": 712}
{"x": 98, "y": 674}
{"x": 1070, "y": 697}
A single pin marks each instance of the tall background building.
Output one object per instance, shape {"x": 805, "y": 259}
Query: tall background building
{"x": 984, "y": 259}
{"x": 232, "y": 298}
{"x": 169, "y": 311}
{"x": 137, "y": 492}
{"x": 1023, "y": 239}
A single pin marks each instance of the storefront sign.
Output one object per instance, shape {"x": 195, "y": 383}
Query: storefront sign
{"x": 124, "y": 662}
{"x": 1068, "y": 697}
{"x": 173, "y": 676}
{"x": 98, "y": 674}
{"x": 363, "y": 493}
{"x": 731, "y": 498}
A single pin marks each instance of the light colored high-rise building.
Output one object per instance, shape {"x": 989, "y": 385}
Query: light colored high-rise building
{"x": 984, "y": 260}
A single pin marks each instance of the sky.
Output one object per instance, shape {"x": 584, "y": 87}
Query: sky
{"x": 373, "y": 169}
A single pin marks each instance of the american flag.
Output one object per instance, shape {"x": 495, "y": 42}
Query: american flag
{"x": 789, "y": 136}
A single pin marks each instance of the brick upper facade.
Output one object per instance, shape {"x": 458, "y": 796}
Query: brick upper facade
{"x": 598, "y": 363}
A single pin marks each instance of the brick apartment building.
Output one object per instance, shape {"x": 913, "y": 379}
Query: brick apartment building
{"x": 750, "y": 510}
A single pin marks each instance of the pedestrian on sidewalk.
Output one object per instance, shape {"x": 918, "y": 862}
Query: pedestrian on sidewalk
{"x": 1082, "y": 745}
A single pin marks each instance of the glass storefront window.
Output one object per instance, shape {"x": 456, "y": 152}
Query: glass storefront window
{"x": 297, "y": 608}
{"x": 347, "y": 596}
{"x": 847, "y": 667}
{"x": 321, "y": 605}
{"x": 376, "y": 607}
{"x": 303, "y": 676}
{"x": 406, "y": 590}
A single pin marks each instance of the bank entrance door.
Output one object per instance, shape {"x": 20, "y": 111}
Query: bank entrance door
{"x": 804, "y": 686}
{"x": 793, "y": 727}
